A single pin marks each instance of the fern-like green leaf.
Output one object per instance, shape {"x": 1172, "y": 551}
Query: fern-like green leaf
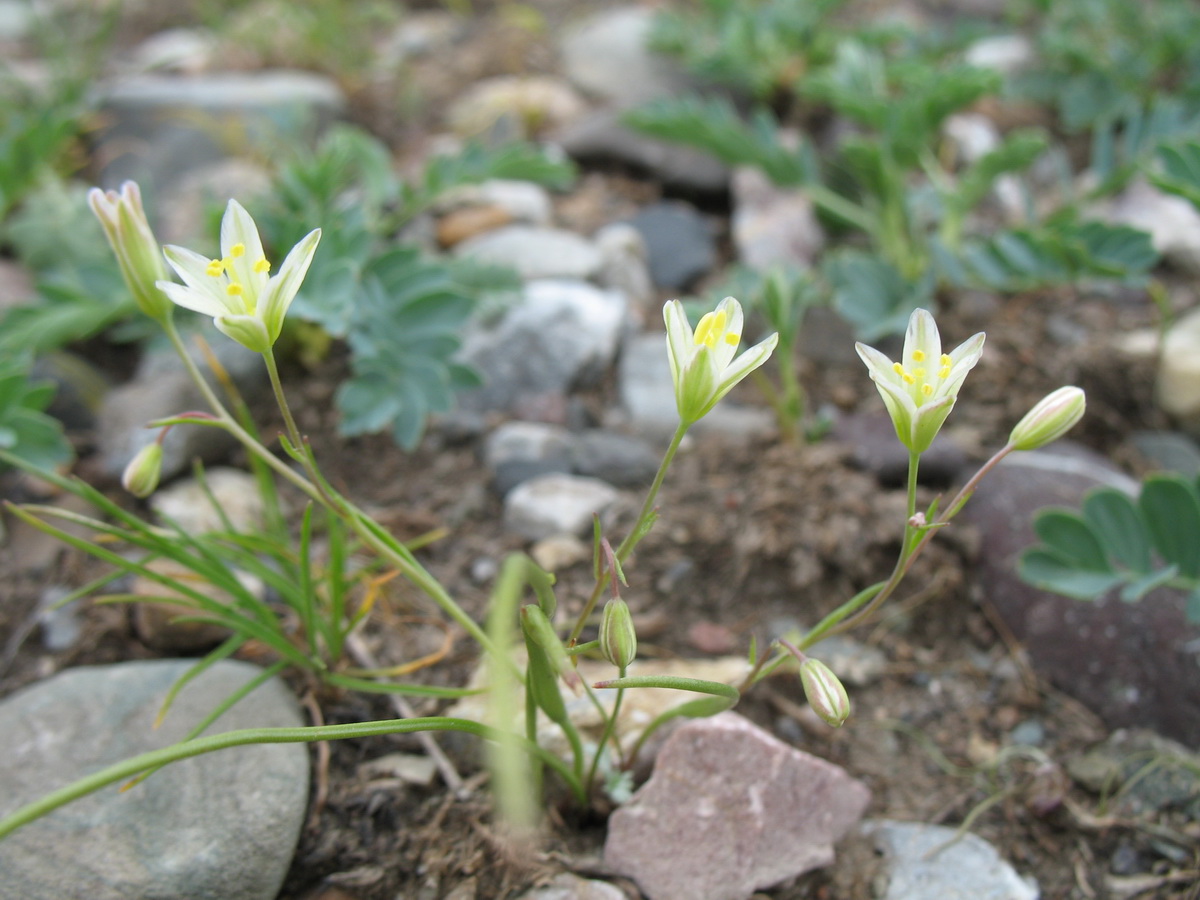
{"x": 713, "y": 125}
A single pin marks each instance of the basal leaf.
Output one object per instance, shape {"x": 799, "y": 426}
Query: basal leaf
{"x": 1068, "y": 537}
{"x": 1171, "y": 510}
{"x": 1115, "y": 519}
{"x": 1050, "y": 572}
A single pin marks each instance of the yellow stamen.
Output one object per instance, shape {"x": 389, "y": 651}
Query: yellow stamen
{"x": 711, "y": 325}
{"x": 944, "y": 372}
{"x": 215, "y": 268}
{"x": 237, "y": 250}
{"x": 946, "y": 360}
{"x": 262, "y": 266}
{"x": 918, "y": 356}
{"x": 234, "y": 289}
{"x": 927, "y": 389}
{"x": 898, "y": 369}
{"x": 732, "y": 339}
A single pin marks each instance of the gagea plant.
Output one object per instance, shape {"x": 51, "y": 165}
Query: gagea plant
{"x": 530, "y": 644}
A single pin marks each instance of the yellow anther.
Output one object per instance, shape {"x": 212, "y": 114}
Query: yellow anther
{"x": 944, "y": 372}
{"x": 262, "y": 266}
{"x": 918, "y": 356}
{"x": 237, "y": 250}
{"x": 234, "y": 289}
{"x": 732, "y": 339}
{"x": 927, "y": 389}
{"x": 215, "y": 268}
{"x": 898, "y": 369}
{"x": 946, "y": 360}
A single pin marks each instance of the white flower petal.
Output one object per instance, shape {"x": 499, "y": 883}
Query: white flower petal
{"x": 238, "y": 229}
{"x": 190, "y": 298}
{"x": 281, "y": 289}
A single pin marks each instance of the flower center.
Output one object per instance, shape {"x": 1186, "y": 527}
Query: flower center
{"x": 218, "y": 268}
{"x": 712, "y": 329}
{"x": 917, "y": 377}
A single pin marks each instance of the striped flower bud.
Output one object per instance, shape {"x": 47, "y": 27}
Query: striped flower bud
{"x": 618, "y": 640}
{"x": 824, "y": 692}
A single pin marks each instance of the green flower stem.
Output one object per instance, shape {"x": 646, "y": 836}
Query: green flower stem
{"x": 610, "y": 727}
{"x": 281, "y": 399}
{"x": 920, "y": 537}
{"x": 230, "y": 424}
{"x": 187, "y": 749}
{"x": 639, "y": 530}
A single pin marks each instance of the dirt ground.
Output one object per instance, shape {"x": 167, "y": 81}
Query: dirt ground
{"x": 752, "y": 535}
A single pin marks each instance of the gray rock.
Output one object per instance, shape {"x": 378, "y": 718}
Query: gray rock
{"x": 181, "y": 210}
{"x": 973, "y": 135}
{"x": 556, "y": 504}
{"x": 221, "y": 826}
{"x": 535, "y": 252}
{"x": 1141, "y": 773}
{"x": 606, "y": 55}
{"x": 968, "y": 869}
{"x": 559, "y": 335}
{"x": 1131, "y": 663}
{"x": 160, "y": 388}
{"x": 518, "y": 451}
{"x": 772, "y": 226}
{"x": 1177, "y": 384}
{"x": 1008, "y": 54}
{"x": 178, "y": 50}
{"x": 619, "y": 459}
{"x": 525, "y": 201}
{"x": 568, "y": 886}
{"x": 679, "y": 243}
{"x": 16, "y": 20}
{"x": 601, "y": 138}
{"x": 648, "y": 397}
{"x": 623, "y": 267}
{"x": 61, "y": 625}
{"x": 1029, "y": 733}
{"x": 16, "y": 286}
{"x": 534, "y": 102}
{"x": 730, "y": 809}
{"x": 1169, "y": 451}
{"x": 876, "y": 449}
{"x": 855, "y": 663}
{"x": 1172, "y": 222}
{"x": 187, "y": 503}
{"x": 160, "y": 127}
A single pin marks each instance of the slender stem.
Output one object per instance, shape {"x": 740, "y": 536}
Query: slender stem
{"x": 281, "y": 399}
{"x": 230, "y": 424}
{"x": 610, "y": 726}
{"x": 921, "y": 538}
{"x": 186, "y": 749}
{"x": 636, "y": 533}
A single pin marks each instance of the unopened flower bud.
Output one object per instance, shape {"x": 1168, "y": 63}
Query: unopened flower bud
{"x": 141, "y": 475}
{"x": 138, "y": 253}
{"x": 824, "y": 692}
{"x": 618, "y": 640}
{"x": 1050, "y": 419}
